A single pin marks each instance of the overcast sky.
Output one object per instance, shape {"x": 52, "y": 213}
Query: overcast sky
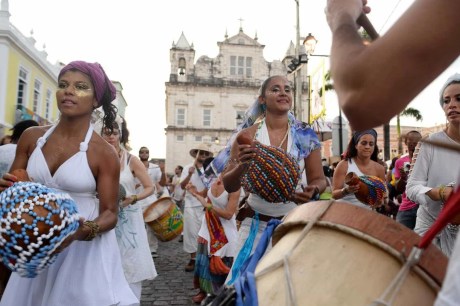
{"x": 132, "y": 39}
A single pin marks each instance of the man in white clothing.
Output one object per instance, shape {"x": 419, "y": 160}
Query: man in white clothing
{"x": 193, "y": 210}
{"x": 157, "y": 174}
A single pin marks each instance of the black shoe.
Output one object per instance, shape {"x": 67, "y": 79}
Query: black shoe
{"x": 154, "y": 254}
{"x": 190, "y": 266}
{"x": 181, "y": 239}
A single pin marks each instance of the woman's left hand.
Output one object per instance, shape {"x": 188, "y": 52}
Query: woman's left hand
{"x": 127, "y": 201}
{"x": 80, "y": 234}
{"x": 308, "y": 193}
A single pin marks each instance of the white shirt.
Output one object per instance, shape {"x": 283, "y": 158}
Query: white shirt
{"x": 178, "y": 191}
{"x": 7, "y": 154}
{"x": 190, "y": 200}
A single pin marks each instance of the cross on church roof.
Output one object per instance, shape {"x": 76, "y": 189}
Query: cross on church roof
{"x": 241, "y": 24}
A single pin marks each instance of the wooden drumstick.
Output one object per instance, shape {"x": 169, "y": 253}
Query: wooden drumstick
{"x": 367, "y": 25}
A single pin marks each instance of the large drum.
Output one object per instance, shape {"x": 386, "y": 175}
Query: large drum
{"x": 333, "y": 253}
{"x": 165, "y": 219}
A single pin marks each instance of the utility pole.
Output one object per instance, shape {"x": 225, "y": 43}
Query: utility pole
{"x": 298, "y": 73}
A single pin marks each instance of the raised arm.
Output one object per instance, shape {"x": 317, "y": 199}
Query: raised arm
{"x": 381, "y": 79}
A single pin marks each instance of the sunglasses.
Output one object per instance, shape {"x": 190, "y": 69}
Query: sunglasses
{"x": 204, "y": 153}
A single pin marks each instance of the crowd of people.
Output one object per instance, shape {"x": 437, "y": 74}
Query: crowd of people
{"x": 112, "y": 252}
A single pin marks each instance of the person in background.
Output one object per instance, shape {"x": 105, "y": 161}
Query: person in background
{"x": 270, "y": 121}
{"x": 158, "y": 177}
{"x": 70, "y": 156}
{"x": 407, "y": 54}
{"x": 130, "y": 230}
{"x": 5, "y": 140}
{"x": 216, "y": 239}
{"x": 361, "y": 158}
{"x": 436, "y": 170}
{"x": 407, "y": 213}
{"x": 391, "y": 180}
{"x": 193, "y": 210}
{"x": 326, "y": 168}
{"x": 8, "y": 151}
{"x": 177, "y": 192}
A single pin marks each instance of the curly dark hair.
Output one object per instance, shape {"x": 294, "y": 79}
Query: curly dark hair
{"x": 110, "y": 112}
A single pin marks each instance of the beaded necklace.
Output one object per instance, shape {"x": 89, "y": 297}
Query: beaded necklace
{"x": 282, "y": 140}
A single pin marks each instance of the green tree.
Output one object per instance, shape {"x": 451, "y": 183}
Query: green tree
{"x": 408, "y": 112}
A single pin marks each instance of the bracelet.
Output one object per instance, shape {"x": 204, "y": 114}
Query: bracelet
{"x": 134, "y": 198}
{"x": 94, "y": 230}
{"x": 441, "y": 193}
{"x": 234, "y": 161}
{"x": 316, "y": 193}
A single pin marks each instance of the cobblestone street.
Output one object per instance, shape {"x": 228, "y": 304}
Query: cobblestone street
{"x": 172, "y": 286}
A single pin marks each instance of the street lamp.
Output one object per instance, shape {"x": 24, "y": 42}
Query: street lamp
{"x": 302, "y": 53}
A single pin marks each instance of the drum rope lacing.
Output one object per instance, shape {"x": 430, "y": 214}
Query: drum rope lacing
{"x": 285, "y": 260}
{"x": 388, "y": 296}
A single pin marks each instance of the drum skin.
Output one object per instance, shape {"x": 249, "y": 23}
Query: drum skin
{"x": 164, "y": 218}
{"x": 349, "y": 257}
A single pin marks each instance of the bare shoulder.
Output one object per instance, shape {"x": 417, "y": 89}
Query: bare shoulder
{"x": 100, "y": 150}
{"x": 35, "y": 132}
{"x": 29, "y": 137}
{"x": 342, "y": 165}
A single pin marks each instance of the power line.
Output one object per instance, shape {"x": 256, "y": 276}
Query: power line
{"x": 391, "y": 13}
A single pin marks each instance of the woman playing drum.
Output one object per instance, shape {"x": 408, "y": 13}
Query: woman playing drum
{"x": 277, "y": 128}
{"x": 71, "y": 157}
{"x": 360, "y": 158}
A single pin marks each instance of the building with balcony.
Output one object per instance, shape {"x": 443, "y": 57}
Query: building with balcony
{"x": 27, "y": 78}
{"x": 28, "y": 81}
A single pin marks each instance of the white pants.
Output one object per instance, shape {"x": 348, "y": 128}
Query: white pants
{"x": 192, "y": 224}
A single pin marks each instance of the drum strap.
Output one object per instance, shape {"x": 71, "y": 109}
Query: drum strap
{"x": 245, "y": 284}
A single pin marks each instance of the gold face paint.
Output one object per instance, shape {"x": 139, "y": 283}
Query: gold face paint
{"x": 80, "y": 89}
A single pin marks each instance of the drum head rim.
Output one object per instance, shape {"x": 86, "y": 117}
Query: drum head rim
{"x": 372, "y": 224}
{"x": 153, "y": 205}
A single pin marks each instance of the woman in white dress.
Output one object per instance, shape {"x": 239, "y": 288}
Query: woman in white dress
{"x": 130, "y": 230}
{"x": 71, "y": 157}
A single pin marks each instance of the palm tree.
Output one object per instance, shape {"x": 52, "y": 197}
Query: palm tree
{"x": 408, "y": 112}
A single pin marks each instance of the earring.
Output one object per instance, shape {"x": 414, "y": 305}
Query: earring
{"x": 264, "y": 107}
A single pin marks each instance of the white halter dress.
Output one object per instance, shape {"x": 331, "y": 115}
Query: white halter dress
{"x": 86, "y": 273}
{"x": 131, "y": 234}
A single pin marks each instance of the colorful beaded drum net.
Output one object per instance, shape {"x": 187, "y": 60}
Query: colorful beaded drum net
{"x": 375, "y": 190}
{"x": 35, "y": 220}
{"x": 272, "y": 174}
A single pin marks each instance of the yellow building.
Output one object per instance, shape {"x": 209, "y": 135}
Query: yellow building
{"x": 27, "y": 79}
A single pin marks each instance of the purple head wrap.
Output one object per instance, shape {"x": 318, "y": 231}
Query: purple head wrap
{"x": 104, "y": 90}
